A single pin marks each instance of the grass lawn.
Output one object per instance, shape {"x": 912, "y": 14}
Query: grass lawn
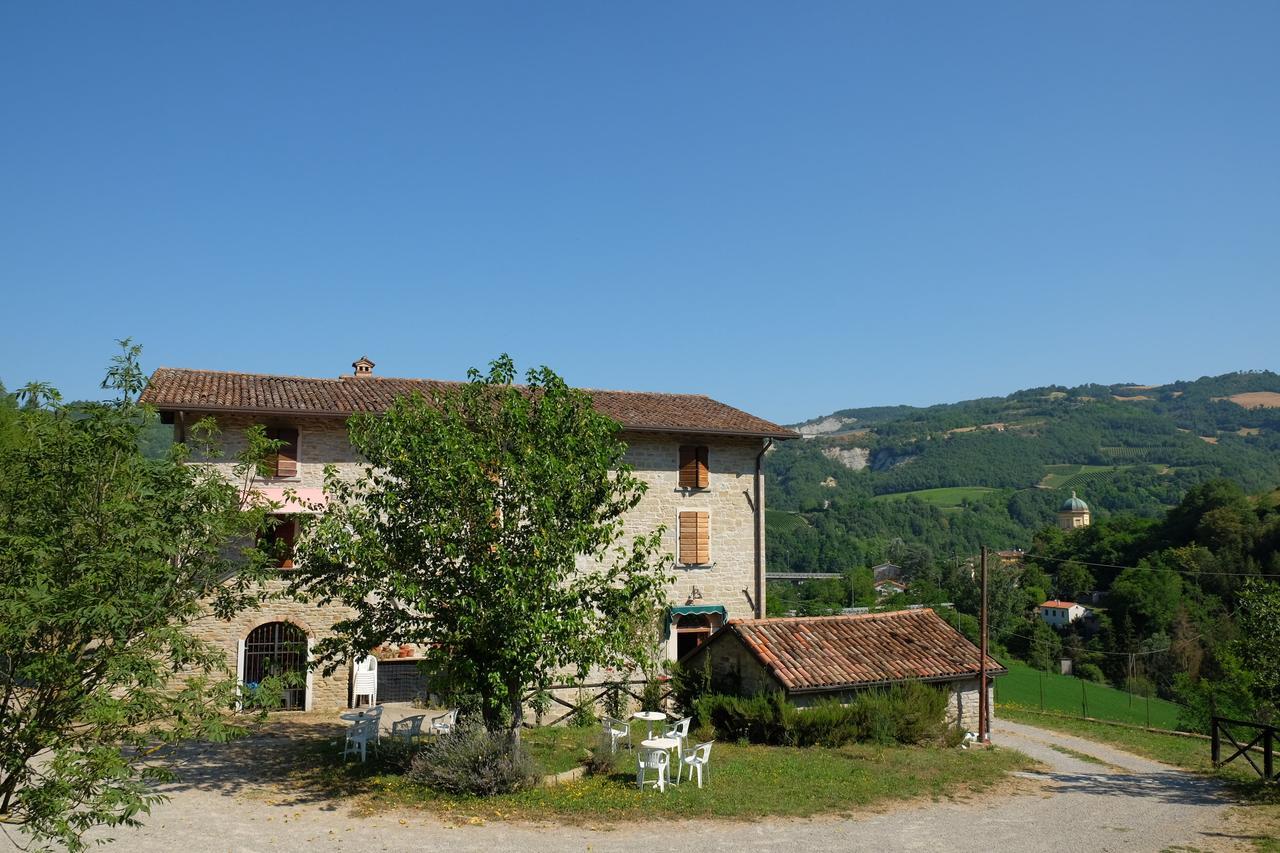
{"x": 1062, "y": 693}
{"x": 947, "y": 498}
{"x": 1259, "y": 815}
{"x": 746, "y": 781}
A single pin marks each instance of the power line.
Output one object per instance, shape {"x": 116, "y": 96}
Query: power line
{"x": 1031, "y": 556}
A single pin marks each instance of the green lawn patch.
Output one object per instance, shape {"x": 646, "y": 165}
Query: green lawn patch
{"x": 952, "y": 497}
{"x": 1066, "y": 694}
{"x": 746, "y": 781}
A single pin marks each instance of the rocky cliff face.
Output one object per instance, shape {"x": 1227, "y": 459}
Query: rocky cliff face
{"x": 823, "y": 426}
{"x": 854, "y": 458}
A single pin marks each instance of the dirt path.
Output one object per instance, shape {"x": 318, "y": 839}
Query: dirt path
{"x": 1125, "y": 803}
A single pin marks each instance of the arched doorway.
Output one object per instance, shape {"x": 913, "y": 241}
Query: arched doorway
{"x": 692, "y": 630}
{"x": 278, "y": 649}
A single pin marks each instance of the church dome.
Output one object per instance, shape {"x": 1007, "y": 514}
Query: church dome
{"x": 1073, "y": 504}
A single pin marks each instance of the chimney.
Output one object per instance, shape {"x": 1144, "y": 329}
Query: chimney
{"x": 363, "y": 366}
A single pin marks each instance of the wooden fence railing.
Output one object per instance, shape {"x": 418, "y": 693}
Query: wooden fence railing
{"x": 1264, "y": 741}
{"x": 583, "y": 704}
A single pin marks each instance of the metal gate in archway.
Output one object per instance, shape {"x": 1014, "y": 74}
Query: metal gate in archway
{"x": 278, "y": 649}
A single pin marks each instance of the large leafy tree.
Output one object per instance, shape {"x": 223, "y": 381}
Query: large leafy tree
{"x": 487, "y": 527}
{"x": 106, "y": 559}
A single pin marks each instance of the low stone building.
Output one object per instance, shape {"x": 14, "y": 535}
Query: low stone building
{"x": 833, "y": 657}
{"x": 700, "y": 459}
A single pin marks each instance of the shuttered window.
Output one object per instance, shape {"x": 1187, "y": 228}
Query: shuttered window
{"x": 695, "y": 538}
{"x": 694, "y": 473}
{"x": 284, "y": 463}
{"x": 278, "y": 540}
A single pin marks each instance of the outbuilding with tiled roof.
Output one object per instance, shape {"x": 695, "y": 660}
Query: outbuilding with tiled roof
{"x": 809, "y": 658}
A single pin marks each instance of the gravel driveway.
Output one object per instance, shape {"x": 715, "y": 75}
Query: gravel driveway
{"x": 1128, "y": 803}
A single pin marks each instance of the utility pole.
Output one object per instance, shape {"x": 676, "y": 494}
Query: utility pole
{"x": 984, "y": 713}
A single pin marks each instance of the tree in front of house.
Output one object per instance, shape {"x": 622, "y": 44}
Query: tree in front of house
{"x": 488, "y": 529}
{"x": 105, "y": 559}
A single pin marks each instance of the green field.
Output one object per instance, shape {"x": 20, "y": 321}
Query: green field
{"x": 1063, "y": 694}
{"x": 780, "y": 520}
{"x": 951, "y": 498}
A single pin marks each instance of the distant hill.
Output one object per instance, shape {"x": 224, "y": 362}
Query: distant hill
{"x": 992, "y": 471}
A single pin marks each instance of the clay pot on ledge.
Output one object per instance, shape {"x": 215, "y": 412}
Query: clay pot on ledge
{"x": 406, "y": 651}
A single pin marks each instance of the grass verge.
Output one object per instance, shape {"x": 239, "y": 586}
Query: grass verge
{"x": 746, "y": 782}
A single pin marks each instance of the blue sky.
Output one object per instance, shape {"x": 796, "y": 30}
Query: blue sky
{"x": 791, "y": 207}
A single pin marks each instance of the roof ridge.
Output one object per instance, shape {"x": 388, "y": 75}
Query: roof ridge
{"x": 346, "y": 377}
{"x": 773, "y": 620}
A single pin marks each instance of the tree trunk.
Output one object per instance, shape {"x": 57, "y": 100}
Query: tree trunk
{"x": 515, "y": 695}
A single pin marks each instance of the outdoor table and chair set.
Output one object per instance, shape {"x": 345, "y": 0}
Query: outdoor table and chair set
{"x": 655, "y": 752}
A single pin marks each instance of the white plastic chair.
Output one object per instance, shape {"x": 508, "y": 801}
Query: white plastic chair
{"x": 364, "y": 681}
{"x": 653, "y": 759}
{"x": 616, "y": 730}
{"x": 408, "y": 728}
{"x": 444, "y": 723}
{"x": 698, "y": 759}
{"x": 680, "y": 731}
{"x": 358, "y": 737}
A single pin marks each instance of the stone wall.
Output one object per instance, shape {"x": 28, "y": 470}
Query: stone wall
{"x": 326, "y": 691}
{"x": 729, "y": 579}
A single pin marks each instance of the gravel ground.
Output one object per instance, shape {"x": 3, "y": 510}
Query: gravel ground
{"x": 1127, "y": 803}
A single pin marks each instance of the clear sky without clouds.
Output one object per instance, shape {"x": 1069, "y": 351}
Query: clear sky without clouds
{"x": 793, "y": 207}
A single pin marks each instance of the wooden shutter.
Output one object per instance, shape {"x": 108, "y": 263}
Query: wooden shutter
{"x": 693, "y": 467}
{"x": 695, "y": 538}
{"x": 285, "y": 535}
{"x": 286, "y": 458}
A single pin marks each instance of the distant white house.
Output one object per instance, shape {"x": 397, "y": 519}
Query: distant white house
{"x": 1061, "y": 613}
{"x": 886, "y": 588}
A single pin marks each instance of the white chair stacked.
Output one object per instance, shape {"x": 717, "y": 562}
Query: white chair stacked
{"x": 365, "y": 682}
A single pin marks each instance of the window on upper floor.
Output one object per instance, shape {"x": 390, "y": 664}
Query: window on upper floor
{"x": 284, "y": 462}
{"x": 277, "y": 540}
{"x": 695, "y": 538}
{"x": 694, "y": 471}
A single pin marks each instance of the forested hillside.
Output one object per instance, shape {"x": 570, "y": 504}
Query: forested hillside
{"x": 992, "y": 471}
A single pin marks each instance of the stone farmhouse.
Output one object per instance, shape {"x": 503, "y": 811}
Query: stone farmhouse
{"x": 700, "y": 458}
{"x": 809, "y": 659}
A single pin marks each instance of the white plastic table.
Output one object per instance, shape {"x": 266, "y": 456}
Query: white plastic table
{"x": 650, "y": 717}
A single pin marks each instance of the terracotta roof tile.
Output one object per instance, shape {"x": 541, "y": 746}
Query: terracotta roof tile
{"x": 812, "y": 652}
{"x": 211, "y": 391}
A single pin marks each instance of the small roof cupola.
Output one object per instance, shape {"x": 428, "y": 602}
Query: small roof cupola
{"x": 1073, "y": 513}
{"x": 363, "y": 366}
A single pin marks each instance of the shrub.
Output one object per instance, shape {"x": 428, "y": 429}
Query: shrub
{"x": 906, "y": 713}
{"x": 758, "y": 719}
{"x": 472, "y": 760}
{"x": 828, "y": 723}
{"x": 601, "y": 760}
{"x": 1091, "y": 672}
{"x": 873, "y": 715}
{"x": 584, "y": 710}
{"x": 615, "y": 700}
{"x": 688, "y": 685}
{"x": 651, "y": 695}
{"x": 919, "y": 710}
